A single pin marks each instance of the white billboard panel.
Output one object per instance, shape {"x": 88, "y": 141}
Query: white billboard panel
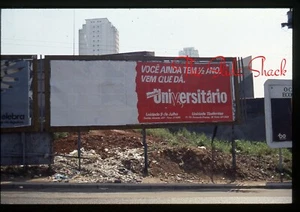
{"x": 93, "y": 93}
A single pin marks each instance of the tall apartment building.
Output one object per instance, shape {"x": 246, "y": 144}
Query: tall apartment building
{"x": 97, "y": 37}
{"x": 189, "y": 51}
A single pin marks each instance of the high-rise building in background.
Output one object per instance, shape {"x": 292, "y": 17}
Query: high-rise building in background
{"x": 97, "y": 37}
{"x": 189, "y": 51}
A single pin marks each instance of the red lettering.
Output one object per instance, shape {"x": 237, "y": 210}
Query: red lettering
{"x": 172, "y": 64}
{"x": 224, "y": 69}
{"x": 187, "y": 60}
{"x": 236, "y": 72}
{"x": 262, "y": 65}
{"x": 276, "y": 72}
{"x": 269, "y": 73}
{"x": 221, "y": 66}
{"x": 192, "y": 61}
{"x": 282, "y": 68}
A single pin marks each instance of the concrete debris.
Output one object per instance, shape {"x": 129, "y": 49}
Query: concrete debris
{"x": 73, "y": 153}
{"x": 60, "y": 176}
{"x": 122, "y": 167}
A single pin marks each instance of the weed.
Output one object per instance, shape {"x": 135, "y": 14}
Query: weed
{"x": 58, "y": 135}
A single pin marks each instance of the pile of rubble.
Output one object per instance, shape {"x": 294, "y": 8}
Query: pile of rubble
{"x": 124, "y": 166}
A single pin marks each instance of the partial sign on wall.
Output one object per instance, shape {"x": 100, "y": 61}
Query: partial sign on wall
{"x": 119, "y": 93}
{"x": 278, "y": 113}
{"x": 15, "y": 96}
{"x": 18, "y": 94}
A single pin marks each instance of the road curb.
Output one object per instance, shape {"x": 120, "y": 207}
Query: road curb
{"x": 130, "y": 187}
{"x": 283, "y": 185}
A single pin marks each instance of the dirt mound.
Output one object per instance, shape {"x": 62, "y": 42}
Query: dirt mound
{"x": 101, "y": 141}
{"x": 198, "y": 163}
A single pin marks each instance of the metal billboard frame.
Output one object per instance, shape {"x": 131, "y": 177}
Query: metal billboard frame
{"x": 145, "y": 58}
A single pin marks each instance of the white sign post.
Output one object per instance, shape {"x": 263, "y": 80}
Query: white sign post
{"x": 278, "y": 113}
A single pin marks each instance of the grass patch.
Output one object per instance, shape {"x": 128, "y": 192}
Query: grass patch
{"x": 185, "y": 137}
{"x": 58, "y": 135}
{"x": 161, "y": 133}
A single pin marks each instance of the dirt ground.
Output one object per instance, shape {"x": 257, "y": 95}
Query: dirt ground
{"x": 167, "y": 164}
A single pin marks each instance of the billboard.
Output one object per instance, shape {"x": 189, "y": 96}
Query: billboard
{"x": 16, "y": 92}
{"x": 119, "y": 93}
{"x": 166, "y": 94}
{"x": 278, "y": 113}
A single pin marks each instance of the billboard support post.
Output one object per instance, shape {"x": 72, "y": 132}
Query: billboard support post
{"x": 40, "y": 94}
{"x": 280, "y": 165}
{"x": 212, "y": 152}
{"x": 145, "y": 151}
{"x": 79, "y": 145}
{"x": 24, "y": 149}
{"x": 233, "y": 150}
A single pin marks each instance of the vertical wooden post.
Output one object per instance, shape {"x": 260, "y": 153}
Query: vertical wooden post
{"x": 233, "y": 150}
{"x": 280, "y": 165}
{"x": 145, "y": 151}
{"x": 79, "y": 146}
{"x": 24, "y": 149}
{"x": 212, "y": 152}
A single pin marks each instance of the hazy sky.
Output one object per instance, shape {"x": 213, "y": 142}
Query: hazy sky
{"x": 213, "y": 32}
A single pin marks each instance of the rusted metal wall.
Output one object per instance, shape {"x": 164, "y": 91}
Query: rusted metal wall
{"x": 26, "y": 148}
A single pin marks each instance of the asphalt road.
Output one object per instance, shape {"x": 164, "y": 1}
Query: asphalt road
{"x": 245, "y": 196}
